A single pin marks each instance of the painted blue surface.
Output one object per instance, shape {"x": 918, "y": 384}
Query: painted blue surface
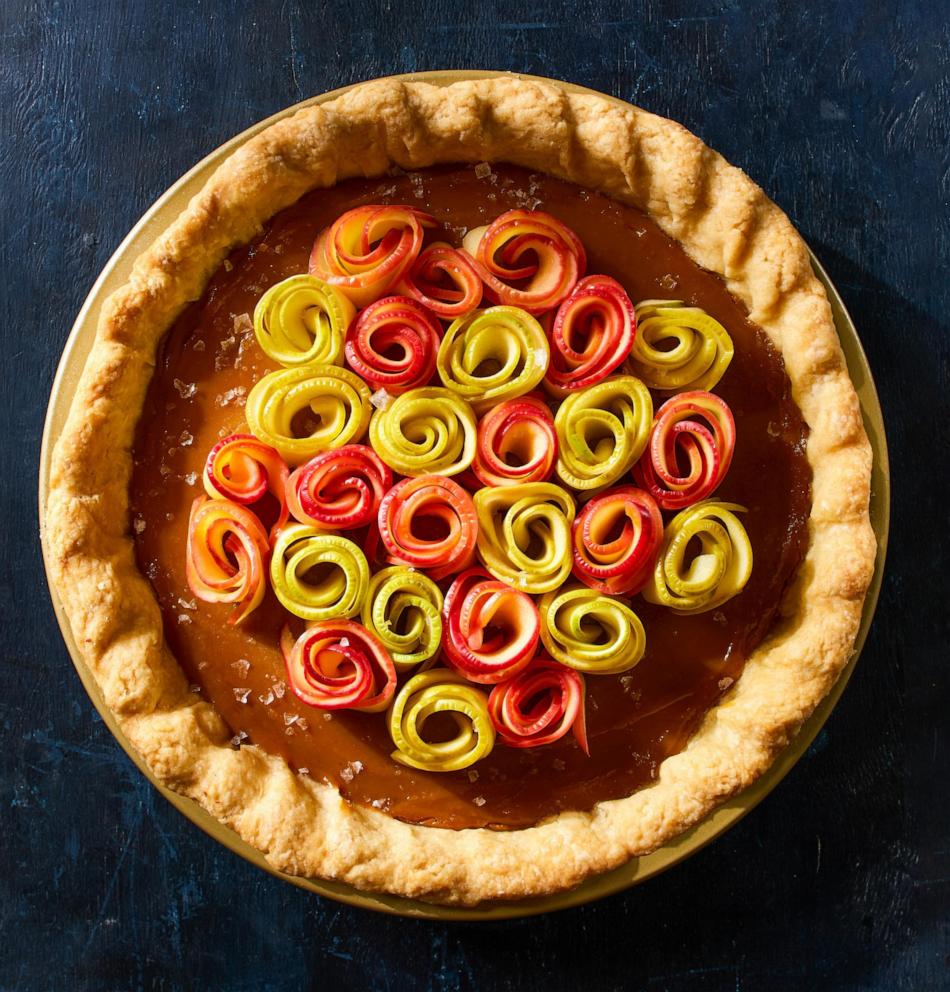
{"x": 841, "y": 879}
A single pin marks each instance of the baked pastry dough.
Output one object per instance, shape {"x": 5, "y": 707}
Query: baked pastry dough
{"x": 723, "y": 221}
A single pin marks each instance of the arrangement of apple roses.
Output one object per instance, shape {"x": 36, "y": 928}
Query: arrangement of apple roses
{"x": 470, "y": 479}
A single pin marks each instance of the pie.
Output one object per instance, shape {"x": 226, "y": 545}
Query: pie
{"x": 514, "y": 414}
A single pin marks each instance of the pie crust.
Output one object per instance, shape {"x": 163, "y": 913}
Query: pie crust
{"x": 723, "y": 221}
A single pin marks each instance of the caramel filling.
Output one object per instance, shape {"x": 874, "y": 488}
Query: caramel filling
{"x": 208, "y": 362}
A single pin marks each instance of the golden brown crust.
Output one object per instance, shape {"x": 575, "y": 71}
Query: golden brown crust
{"x": 723, "y": 220}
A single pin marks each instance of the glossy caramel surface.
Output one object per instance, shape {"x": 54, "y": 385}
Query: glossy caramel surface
{"x": 208, "y": 362}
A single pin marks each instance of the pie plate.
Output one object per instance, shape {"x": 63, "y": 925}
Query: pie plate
{"x": 77, "y": 347}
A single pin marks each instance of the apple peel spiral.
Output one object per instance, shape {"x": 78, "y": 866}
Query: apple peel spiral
{"x": 341, "y": 588}
{"x": 337, "y": 664}
{"x": 591, "y": 632}
{"x": 334, "y": 401}
{"x": 540, "y": 706}
{"x": 225, "y": 556}
{"x": 424, "y": 432}
{"x": 403, "y": 608}
{"x": 524, "y": 534}
{"x": 302, "y": 321}
{"x": 696, "y": 349}
{"x": 696, "y": 583}
{"x": 602, "y": 431}
{"x": 434, "y": 692}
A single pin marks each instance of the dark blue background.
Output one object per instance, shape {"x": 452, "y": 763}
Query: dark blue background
{"x": 841, "y": 879}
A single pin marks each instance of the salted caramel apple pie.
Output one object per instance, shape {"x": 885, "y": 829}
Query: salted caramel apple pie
{"x": 466, "y": 493}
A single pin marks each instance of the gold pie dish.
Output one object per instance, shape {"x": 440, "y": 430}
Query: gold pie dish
{"x": 841, "y": 570}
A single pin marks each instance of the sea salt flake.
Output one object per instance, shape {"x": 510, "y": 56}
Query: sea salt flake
{"x": 482, "y": 170}
{"x": 164, "y": 470}
{"x": 184, "y": 618}
{"x": 725, "y": 683}
{"x": 243, "y": 324}
{"x": 138, "y": 525}
{"x": 229, "y": 396}
{"x": 327, "y": 716}
{"x": 228, "y": 265}
{"x": 350, "y": 771}
{"x": 473, "y": 776}
{"x": 290, "y": 718}
{"x": 720, "y": 618}
{"x": 773, "y": 429}
{"x": 184, "y": 389}
{"x": 627, "y": 683}
{"x": 185, "y": 439}
{"x": 241, "y": 694}
{"x": 479, "y": 800}
{"x": 381, "y": 399}
{"x": 303, "y": 771}
{"x": 195, "y": 689}
{"x": 289, "y": 731}
{"x": 188, "y": 604}
{"x": 199, "y": 345}
{"x": 242, "y": 351}
{"x": 669, "y": 281}
{"x": 279, "y": 689}
{"x": 238, "y": 739}
{"x": 382, "y": 804}
{"x": 222, "y": 358}
{"x": 242, "y": 666}
{"x": 266, "y": 697}
{"x": 344, "y": 642}
{"x": 191, "y": 478}
{"x": 302, "y": 724}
